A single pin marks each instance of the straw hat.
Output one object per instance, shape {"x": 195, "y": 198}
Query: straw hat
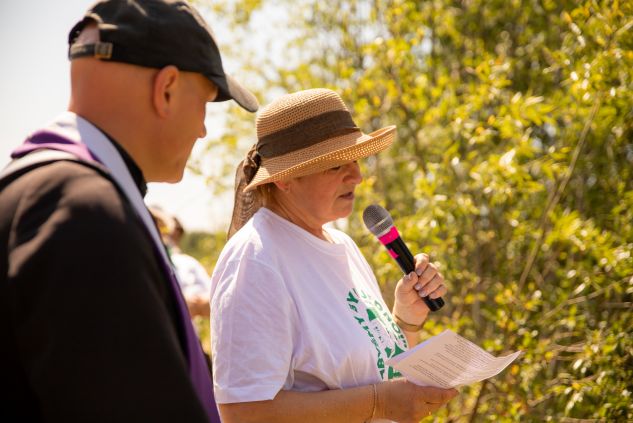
{"x": 307, "y": 132}
{"x": 297, "y": 135}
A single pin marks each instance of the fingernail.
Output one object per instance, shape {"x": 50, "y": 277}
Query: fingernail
{"x": 419, "y": 272}
{"x": 417, "y": 286}
{"x": 408, "y": 276}
{"x": 423, "y": 293}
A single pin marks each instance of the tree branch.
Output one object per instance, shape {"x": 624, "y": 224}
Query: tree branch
{"x": 556, "y": 194}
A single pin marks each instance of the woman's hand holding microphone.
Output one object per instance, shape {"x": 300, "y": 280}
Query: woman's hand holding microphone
{"x": 409, "y": 310}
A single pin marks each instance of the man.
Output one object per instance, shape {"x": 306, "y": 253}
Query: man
{"x": 93, "y": 326}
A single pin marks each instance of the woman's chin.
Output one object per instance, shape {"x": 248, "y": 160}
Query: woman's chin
{"x": 346, "y": 211}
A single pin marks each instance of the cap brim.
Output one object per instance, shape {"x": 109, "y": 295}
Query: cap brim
{"x": 230, "y": 89}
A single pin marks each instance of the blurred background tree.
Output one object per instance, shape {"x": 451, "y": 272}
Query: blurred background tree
{"x": 513, "y": 169}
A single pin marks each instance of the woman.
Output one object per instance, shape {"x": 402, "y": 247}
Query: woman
{"x": 300, "y": 331}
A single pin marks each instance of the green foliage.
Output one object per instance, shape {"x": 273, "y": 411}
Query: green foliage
{"x": 204, "y": 247}
{"x": 513, "y": 169}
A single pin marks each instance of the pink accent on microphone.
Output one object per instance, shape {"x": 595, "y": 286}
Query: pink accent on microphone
{"x": 393, "y": 253}
{"x": 389, "y": 237}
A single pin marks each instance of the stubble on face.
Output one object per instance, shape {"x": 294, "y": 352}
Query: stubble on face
{"x": 188, "y": 124}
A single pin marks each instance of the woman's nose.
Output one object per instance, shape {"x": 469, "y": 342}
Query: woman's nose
{"x": 353, "y": 173}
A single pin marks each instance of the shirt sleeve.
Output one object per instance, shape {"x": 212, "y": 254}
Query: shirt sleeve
{"x": 253, "y": 332}
{"x": 92, "y": 313}
{"x": 194, "y": 279}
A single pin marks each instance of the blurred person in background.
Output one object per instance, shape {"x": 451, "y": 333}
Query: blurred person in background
{"x": 193, "y": 278}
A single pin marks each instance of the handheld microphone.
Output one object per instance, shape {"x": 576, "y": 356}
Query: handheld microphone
{"x": 379, "y": 222}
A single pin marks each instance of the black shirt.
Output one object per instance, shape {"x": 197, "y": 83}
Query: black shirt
{"x": 132, "y": 167}
{"x": 88, "y": 321}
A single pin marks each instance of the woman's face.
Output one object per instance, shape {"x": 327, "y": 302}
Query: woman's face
{"x": 325, "y": 196}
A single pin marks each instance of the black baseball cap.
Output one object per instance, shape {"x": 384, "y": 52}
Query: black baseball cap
{"x": 155, "y": 34}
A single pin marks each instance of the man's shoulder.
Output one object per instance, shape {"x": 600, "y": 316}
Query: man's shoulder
{"x": 69, "y": 207}
{"x": 69, "y": 190}
{"x": 60, "y": 171}
{"x": 73, "y": 181}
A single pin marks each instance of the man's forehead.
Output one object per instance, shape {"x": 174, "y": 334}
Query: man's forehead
{"x": 203, "y": 83}
{"x": 213, "y": 88}
{"x": 210, "y": 87}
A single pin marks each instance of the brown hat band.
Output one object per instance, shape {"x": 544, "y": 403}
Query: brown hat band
{"x": 306, "y": 133}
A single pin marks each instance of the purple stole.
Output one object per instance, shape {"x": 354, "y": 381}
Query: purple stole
{"x": 72, "y": 134}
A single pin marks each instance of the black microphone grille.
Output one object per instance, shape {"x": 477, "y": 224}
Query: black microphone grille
{"x": 377, "y": 219}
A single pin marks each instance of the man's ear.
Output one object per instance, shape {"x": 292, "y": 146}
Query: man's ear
{"x": 164, "y": 90}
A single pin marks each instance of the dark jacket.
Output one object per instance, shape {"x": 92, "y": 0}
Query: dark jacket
{"x": 88, "y": 325}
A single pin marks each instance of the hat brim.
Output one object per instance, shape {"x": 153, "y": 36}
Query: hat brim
{"x": 230, "y": 89}
{"x": 322, "y": 156}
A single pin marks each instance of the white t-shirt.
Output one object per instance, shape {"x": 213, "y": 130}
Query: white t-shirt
{"x": 291, "y": 311}
{"x": 192, "y": 276}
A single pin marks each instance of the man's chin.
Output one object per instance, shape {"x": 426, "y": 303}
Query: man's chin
{"x": 177, "y": 178}
{"x": 169, "y": 178}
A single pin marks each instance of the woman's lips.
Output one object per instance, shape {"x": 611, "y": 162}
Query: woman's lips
{"x": 348, "y": 196}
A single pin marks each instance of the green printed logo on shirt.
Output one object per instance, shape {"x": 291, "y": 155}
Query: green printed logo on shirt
{"x": 383, "y": 332}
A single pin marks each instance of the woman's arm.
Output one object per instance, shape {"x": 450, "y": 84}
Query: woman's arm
{"x": 409, "y": 310}
{"x": 396, "y": 400}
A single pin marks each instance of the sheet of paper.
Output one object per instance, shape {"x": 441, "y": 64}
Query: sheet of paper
{"x": 449, "y": 360}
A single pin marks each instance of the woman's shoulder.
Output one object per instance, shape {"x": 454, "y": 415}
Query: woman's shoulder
{"x": 341, "y": 237}
{"x": 254, "y": 240}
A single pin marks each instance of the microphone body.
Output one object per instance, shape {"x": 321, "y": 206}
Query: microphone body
{"x": 388, "y": 236}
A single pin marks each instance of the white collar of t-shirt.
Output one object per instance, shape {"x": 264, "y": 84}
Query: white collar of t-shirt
{"x": 335, "y": 248}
